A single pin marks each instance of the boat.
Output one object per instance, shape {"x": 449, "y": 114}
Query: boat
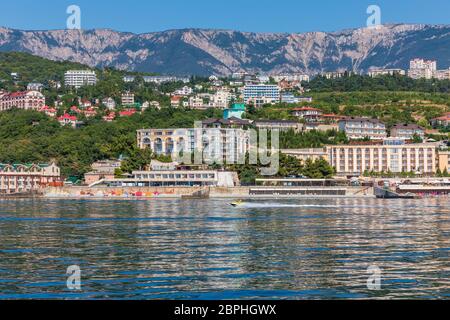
{"x": 237, "y": 203}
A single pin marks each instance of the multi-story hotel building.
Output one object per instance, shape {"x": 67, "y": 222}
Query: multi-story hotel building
{"x": 360, "y": 128}
{"x": 407, "y": 131}
{"x": 79, "y": 78}
{"x": 261, "y": 92}
{"x": 393, "y": 155}
{"x": 15, "y": 178}
{"x": 218, "y": 145}
{"x": 28, "y": 100}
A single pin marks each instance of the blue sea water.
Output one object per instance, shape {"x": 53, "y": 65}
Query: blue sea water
{"x": 206, "y": 249}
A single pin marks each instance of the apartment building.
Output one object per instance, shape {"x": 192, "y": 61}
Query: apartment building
{"x": 127, "y": 98}
{"x": 420, "y": 68}
{"x": 17, "y": 178}
{"x": 359, "y": 128}
{"x": 407, "y": 131}
{"x": 28, "y": 100}
{"x": 391, "y": 156}
{"x": 79, "y": 78}
{"x": 216, "y": 144}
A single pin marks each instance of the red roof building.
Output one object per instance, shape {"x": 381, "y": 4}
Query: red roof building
{"x": 28, "y": 100}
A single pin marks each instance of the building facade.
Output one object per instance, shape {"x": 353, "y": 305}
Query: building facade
{"x": 218, "y": 145}
{"x": 420, "y": 68}
{"x": 407, "y": 131}
{"x": 27, "y": 100}
{"x": 280, "y": 125}
{"x": 79, "y": 78}
{"x": 359, "y": 128}
{"x": 392, "y": 156}
{"x": 17, "y": 178}
{"x": 261, "y": 92}
{"x": 177, "y": 178}
{"x": 127, "y": 98}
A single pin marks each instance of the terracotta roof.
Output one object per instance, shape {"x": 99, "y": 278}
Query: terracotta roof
{"x": 67, "y": 117}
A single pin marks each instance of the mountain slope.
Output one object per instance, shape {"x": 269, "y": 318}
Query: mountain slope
{"x": 203, "y": 52}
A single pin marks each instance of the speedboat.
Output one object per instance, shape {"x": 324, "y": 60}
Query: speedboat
{"x": 237, "y": 203}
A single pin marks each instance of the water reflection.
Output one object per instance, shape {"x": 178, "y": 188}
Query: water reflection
{"x": 184, "y": 249}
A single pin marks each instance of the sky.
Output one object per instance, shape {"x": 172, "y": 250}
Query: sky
{"x": 141, "y": 16}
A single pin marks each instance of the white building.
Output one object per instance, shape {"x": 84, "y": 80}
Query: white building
{"x": 79, "y": 78}
{"x": 407, "y": 131}
{"x": 359, "y": 128}
{"x": 420, "y": 68}
{"x": 185, "y": 91}
{"x": 221, "y": 99}
{"x": 127, "y": 98}
{"x": 164, "y": 79}
{"x": 197, "y": 103}
{"x": 383, "y": 72}
{"x": 261, "y": 94}
{"x": 109, "y": 103}
{"x": 291, "y": 77}
{"x": 216, "y": 144}
{"x": 35, "y": 86}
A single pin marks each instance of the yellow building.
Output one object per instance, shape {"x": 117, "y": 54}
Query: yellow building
{"x": 444, "y": 160}
{"x": 396, "y": 158}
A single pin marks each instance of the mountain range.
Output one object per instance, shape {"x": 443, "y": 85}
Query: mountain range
{"x": 221, "y": 52}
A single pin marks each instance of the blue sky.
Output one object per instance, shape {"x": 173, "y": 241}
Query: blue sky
{"x": 141, "y": 16}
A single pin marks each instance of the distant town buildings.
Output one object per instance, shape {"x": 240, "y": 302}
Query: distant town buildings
{"x": 79, "y": 78}
{"x": 27, "y": 100}
{"x": 35, "y": 86}
{"x": 18, "y": 178}
{"x": 291, "y": 77}
{"x": 383, "y": 72}
{"x": 163, "y": 79}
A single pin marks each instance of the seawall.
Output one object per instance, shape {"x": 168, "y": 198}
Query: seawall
{"x": 179, "y": 192}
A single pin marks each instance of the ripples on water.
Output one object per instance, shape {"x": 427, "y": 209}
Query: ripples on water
{"x": 184, "y": 249}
